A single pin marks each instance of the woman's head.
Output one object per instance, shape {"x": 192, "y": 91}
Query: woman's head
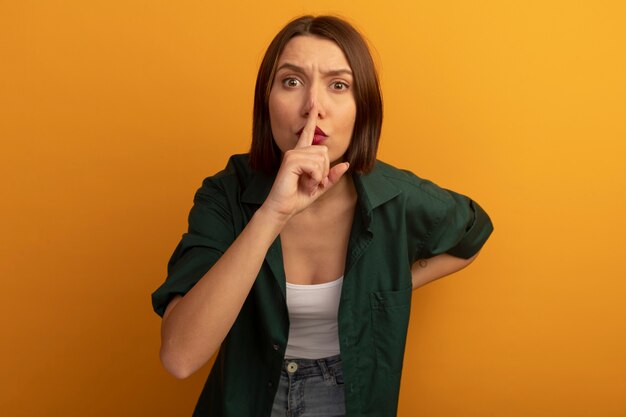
{"x": 330, "y": 41}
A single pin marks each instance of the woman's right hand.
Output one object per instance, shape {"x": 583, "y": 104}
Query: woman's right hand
{"x": 304, "y": 175}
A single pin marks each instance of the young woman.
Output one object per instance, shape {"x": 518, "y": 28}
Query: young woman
{"x": 300, "y": 257}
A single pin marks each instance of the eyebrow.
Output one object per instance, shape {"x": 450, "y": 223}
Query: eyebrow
{"x": 334, "y": 72}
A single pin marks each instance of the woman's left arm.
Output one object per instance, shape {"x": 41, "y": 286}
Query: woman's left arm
{"x": 424, "y": 271}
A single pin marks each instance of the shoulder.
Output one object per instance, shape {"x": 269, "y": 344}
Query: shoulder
{"x": 235, "y": 172}
{"x": 444, "y": 220}
{"x": 237, "y": 183}
{"x": 217, "y": 210}
{"x": 413, "y": 186}
{"x": 232, "y": 179}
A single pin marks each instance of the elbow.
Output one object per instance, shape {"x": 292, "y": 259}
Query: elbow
{"x": 464, "y": 263}
{"x": 174, "y": 364}
{"x": 472, "y": 258}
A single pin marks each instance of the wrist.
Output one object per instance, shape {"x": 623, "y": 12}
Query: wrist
{"x": 271, "y": 218}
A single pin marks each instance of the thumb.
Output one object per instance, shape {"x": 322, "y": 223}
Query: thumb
{"x": 336, "y": 172}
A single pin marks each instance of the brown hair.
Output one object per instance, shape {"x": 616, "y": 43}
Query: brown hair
{"x": 264, "y": 154}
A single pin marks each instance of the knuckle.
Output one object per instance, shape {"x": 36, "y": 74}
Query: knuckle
{"x": 321, "y": 152}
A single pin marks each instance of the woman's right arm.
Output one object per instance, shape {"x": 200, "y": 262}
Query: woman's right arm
{"x": 195, "y": 325}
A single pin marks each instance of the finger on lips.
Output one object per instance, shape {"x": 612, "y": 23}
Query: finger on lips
{"x": 308, "y": 133}
{"x": 317, "y": 175}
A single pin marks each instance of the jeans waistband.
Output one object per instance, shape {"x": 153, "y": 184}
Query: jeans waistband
{"x": 311, "y": 367}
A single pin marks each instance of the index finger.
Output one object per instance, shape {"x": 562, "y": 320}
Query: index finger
{"x": 306, "y": 137}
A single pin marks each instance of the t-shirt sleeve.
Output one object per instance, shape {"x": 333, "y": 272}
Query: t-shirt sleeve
{"x": 210, "y": 233}
{"x": 458, "y": 226}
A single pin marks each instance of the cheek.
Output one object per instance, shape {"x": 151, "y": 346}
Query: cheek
{"x": 349, "y": 117}
{"x": 279, "y": 122}
{"x": 278, "y": 112}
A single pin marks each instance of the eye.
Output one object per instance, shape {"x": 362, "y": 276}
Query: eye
{"x": 339, "y": 86}
{"x": 291, "y": 82}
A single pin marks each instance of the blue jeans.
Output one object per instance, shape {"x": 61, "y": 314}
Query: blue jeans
{"x": 310, "y": 388}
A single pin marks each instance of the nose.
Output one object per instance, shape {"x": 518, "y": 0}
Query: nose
{"x": 313, "y": 99}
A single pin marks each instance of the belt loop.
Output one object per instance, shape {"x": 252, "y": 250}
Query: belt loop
{"x": 328, "y": 377}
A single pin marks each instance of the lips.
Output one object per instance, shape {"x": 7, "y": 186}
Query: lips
{"x": 318, "y": 137}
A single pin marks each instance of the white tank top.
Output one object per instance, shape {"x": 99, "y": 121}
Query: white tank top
{"x": 313, "y": 313}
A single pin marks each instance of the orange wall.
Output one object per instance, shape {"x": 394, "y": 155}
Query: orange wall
{"x": 112, "y": 112}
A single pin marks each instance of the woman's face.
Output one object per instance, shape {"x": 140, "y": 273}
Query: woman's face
{"x": 313, "y": 71}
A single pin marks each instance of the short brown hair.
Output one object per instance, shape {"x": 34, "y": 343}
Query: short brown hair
{"x": 361, "y": 153}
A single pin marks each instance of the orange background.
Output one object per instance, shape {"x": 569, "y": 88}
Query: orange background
{"x": 112, "y": 112}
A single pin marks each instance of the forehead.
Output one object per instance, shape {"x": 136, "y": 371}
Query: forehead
{"x": 306, "y": 50}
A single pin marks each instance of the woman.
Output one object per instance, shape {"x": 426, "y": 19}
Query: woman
{"x": 300, "y": 258}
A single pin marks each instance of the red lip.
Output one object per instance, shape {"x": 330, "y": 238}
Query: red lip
{"x": 318, "y": 132}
